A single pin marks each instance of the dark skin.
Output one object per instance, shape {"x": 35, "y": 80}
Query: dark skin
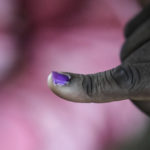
{"x": 137, "y": 50}
{"x": 143, "y": 3}
{"x": 130, "y": 80}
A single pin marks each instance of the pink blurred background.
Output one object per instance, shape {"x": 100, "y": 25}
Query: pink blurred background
{"x": 64, "y": 35}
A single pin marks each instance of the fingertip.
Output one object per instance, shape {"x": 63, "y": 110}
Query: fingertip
{"x": 49, "y": 79}
{"x": 58, "y": 82}
{"x": 66, "y": 85}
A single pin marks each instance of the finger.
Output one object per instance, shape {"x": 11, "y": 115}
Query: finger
{"x": 143, "y": 3}
{"x": 144, "y": 106}
{"x": 107, "y": 86}
{"x": 137, "y": 21}
{"x": 136, "y": 40}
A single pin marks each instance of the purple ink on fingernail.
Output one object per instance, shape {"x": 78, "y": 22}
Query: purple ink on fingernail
{"x": 60, "y": 79}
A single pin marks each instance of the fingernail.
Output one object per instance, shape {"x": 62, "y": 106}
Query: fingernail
{"x": 59, "y": 78}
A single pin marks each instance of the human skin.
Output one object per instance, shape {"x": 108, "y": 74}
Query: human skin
{"x": 144, "y": 2}
{"x": 32, "y": 117}
{"x": 136, "y": 51}
{"x": 130, "y": 80}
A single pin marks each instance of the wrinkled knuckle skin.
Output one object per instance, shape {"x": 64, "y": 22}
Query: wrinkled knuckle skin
{"x": 126, "y": 77}
{"x": 122, "y": 76}
{"x": 119, "y": 82}
{"x": 88, "y": 85}
{"x": 101, "y": 84}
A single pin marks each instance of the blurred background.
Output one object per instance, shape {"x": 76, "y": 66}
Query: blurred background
{"x": 81, "y": 36}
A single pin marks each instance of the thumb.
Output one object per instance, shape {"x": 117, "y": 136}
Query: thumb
{"x": 101, "y": 87}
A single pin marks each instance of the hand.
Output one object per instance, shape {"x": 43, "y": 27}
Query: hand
{"x": 130, "y": 80}
{"x": 136, "y": 51}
